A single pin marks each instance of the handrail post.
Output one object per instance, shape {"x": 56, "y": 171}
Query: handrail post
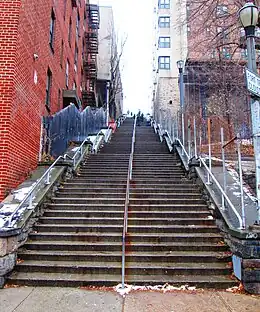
{"x": 189, "y": 138}
{"x": 209, "y": 142}
{"x": 224, "y": 167}
{"x": 30, "y": 201}
{"x": 195, "y": 137}
{"x": 241, "y": 181}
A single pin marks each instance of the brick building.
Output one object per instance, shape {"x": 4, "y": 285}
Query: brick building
{"x": 214, "y": 78}
{"x": 41, "y": 72}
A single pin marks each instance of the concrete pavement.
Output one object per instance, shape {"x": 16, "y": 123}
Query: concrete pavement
{"x": 31, "y": 299}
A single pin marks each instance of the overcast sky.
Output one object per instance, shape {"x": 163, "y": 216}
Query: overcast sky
{"x": 135, "y": 18}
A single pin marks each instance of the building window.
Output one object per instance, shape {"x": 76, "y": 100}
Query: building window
{"x": 74, "y": 85}
{"x": 221, "y": 10}
{"x": 70, "y": 28}
{"x": 164, "y": 62}
{"x": 226, "y": 53}
{"x": 164, "y": 42}
{"x": 48, "y": 88}
{"x": 61, "y": 53}
{"x": 67, "y": 74}
{"x": 164, "y": 4}
{"x": 164, "y": 22}
{"x": 52, "y": 28}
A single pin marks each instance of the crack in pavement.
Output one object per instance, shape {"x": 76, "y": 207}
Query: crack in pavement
{"x": 23, "y": 300}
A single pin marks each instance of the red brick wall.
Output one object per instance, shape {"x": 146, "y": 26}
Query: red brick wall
{"x": 22, "y": 101}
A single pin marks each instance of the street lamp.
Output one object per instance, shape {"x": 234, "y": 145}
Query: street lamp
{"x": 180, "y": 65}
{"x": 248, "y": 16}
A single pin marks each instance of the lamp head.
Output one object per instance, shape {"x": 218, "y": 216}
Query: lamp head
{"x": 248, "y": 16}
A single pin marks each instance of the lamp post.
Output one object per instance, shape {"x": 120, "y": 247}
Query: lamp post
{"x": 180, "y": 65}
{"x": 248, "y": 15}
{"x": 107, "y": 104}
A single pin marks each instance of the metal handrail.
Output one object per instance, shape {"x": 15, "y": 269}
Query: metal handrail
{"x": 223, "y": 193}
{"x": 183, "y": 148}
{"x": 129, "y": 178}
{"x": 30, "y": 194}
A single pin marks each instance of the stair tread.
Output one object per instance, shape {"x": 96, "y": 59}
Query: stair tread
{"x": 129, "y": 254}
{"x": 151, "y": 234}
{"x": 113, "y": 264}
{"x": 79, "y": 243}
{"x": 117, "y": 278}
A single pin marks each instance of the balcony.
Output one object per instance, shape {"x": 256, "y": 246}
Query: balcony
{"x": 90, "y": 68}
{"x": 92, "y": 42}
{"x": 93, "y": 16}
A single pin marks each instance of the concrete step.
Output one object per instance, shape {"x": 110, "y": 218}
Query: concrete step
{"x": 86, "y": 200}
{"x": 97, "y": 228}
{"x": 132, "y": 247}
{"x": 82, "y": 220}
{"x": 166, "y": 201}
{"x": 87, "y": 207}
{"x": 79, "y": 267}
{"x": 134, "y": 237}
{"x": 164, "y": 257}
{"x": 81, "y": 280}
{"x": 118, "y": 214}
{"x": 134, "y": 194}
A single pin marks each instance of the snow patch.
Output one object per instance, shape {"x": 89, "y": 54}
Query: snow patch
{"x": 166, "y": 287}
{"x": 210, "y": 217}
{"x": 75, "y": 149}
{"x": 21, "y": 193}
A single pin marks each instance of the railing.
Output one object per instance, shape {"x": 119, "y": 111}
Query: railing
{"x": 27, "y": 202}
{"x": 241, "y": 223}
{"x": 129, "y": 178}
{"x": 211, "y": 177}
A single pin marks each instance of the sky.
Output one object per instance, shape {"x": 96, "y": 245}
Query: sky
{"x": 134, "y": 18}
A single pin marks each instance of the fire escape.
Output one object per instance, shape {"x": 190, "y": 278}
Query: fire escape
{"x": 90, "y": 56}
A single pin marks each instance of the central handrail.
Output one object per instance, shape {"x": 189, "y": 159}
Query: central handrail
{"x": 129, "y": 178}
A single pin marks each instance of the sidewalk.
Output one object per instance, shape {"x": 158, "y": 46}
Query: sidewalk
{"x": 31, "y": 299}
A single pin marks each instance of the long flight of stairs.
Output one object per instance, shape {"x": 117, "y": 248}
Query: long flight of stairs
{"x": 171, "y": 235}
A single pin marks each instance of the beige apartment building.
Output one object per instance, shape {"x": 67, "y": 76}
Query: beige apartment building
{"x": 170, "y": 45}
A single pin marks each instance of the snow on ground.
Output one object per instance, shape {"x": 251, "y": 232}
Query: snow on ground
{"x": 166, "y": 287}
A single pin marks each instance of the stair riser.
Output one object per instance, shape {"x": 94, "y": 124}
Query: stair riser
{"x": 98, "y": 238}
{"x": 129, "y": 259}
{"x": 129, "y": 248}
{"x": 162, "y": 223}
{"x": 132, "y": 229}
{"x": 86, "y": 221}
{"x": 97, "y": 208}
{"x": 111, "y": 283}
{"x": 89, "y": 201}
{"x": 120, "y": 214}
{"x": 117, "y": 271}
{"x": 64, "y": 283}
{"x": 90, "y": 196}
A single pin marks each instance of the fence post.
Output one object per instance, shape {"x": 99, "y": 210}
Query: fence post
{"x": 195, "y": 137}
{"x": 224, "y": 167}
{"x": 189, "y": 138}
{"x": 241, "y": 180}
{"x": 209, "y": 142}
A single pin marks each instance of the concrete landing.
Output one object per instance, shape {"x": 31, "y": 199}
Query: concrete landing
{"x": 31, "y": 299}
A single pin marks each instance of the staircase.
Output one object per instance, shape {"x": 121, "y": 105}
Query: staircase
{"x": 171, "y": 236}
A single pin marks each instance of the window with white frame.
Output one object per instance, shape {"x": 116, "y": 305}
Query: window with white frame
{"x": 221, "y": 10}
{"x": 164, "y": 62}
{"x": 164, "y": 42}
{"x": 164, "y": 4}
{"x": 164, "y": 22}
